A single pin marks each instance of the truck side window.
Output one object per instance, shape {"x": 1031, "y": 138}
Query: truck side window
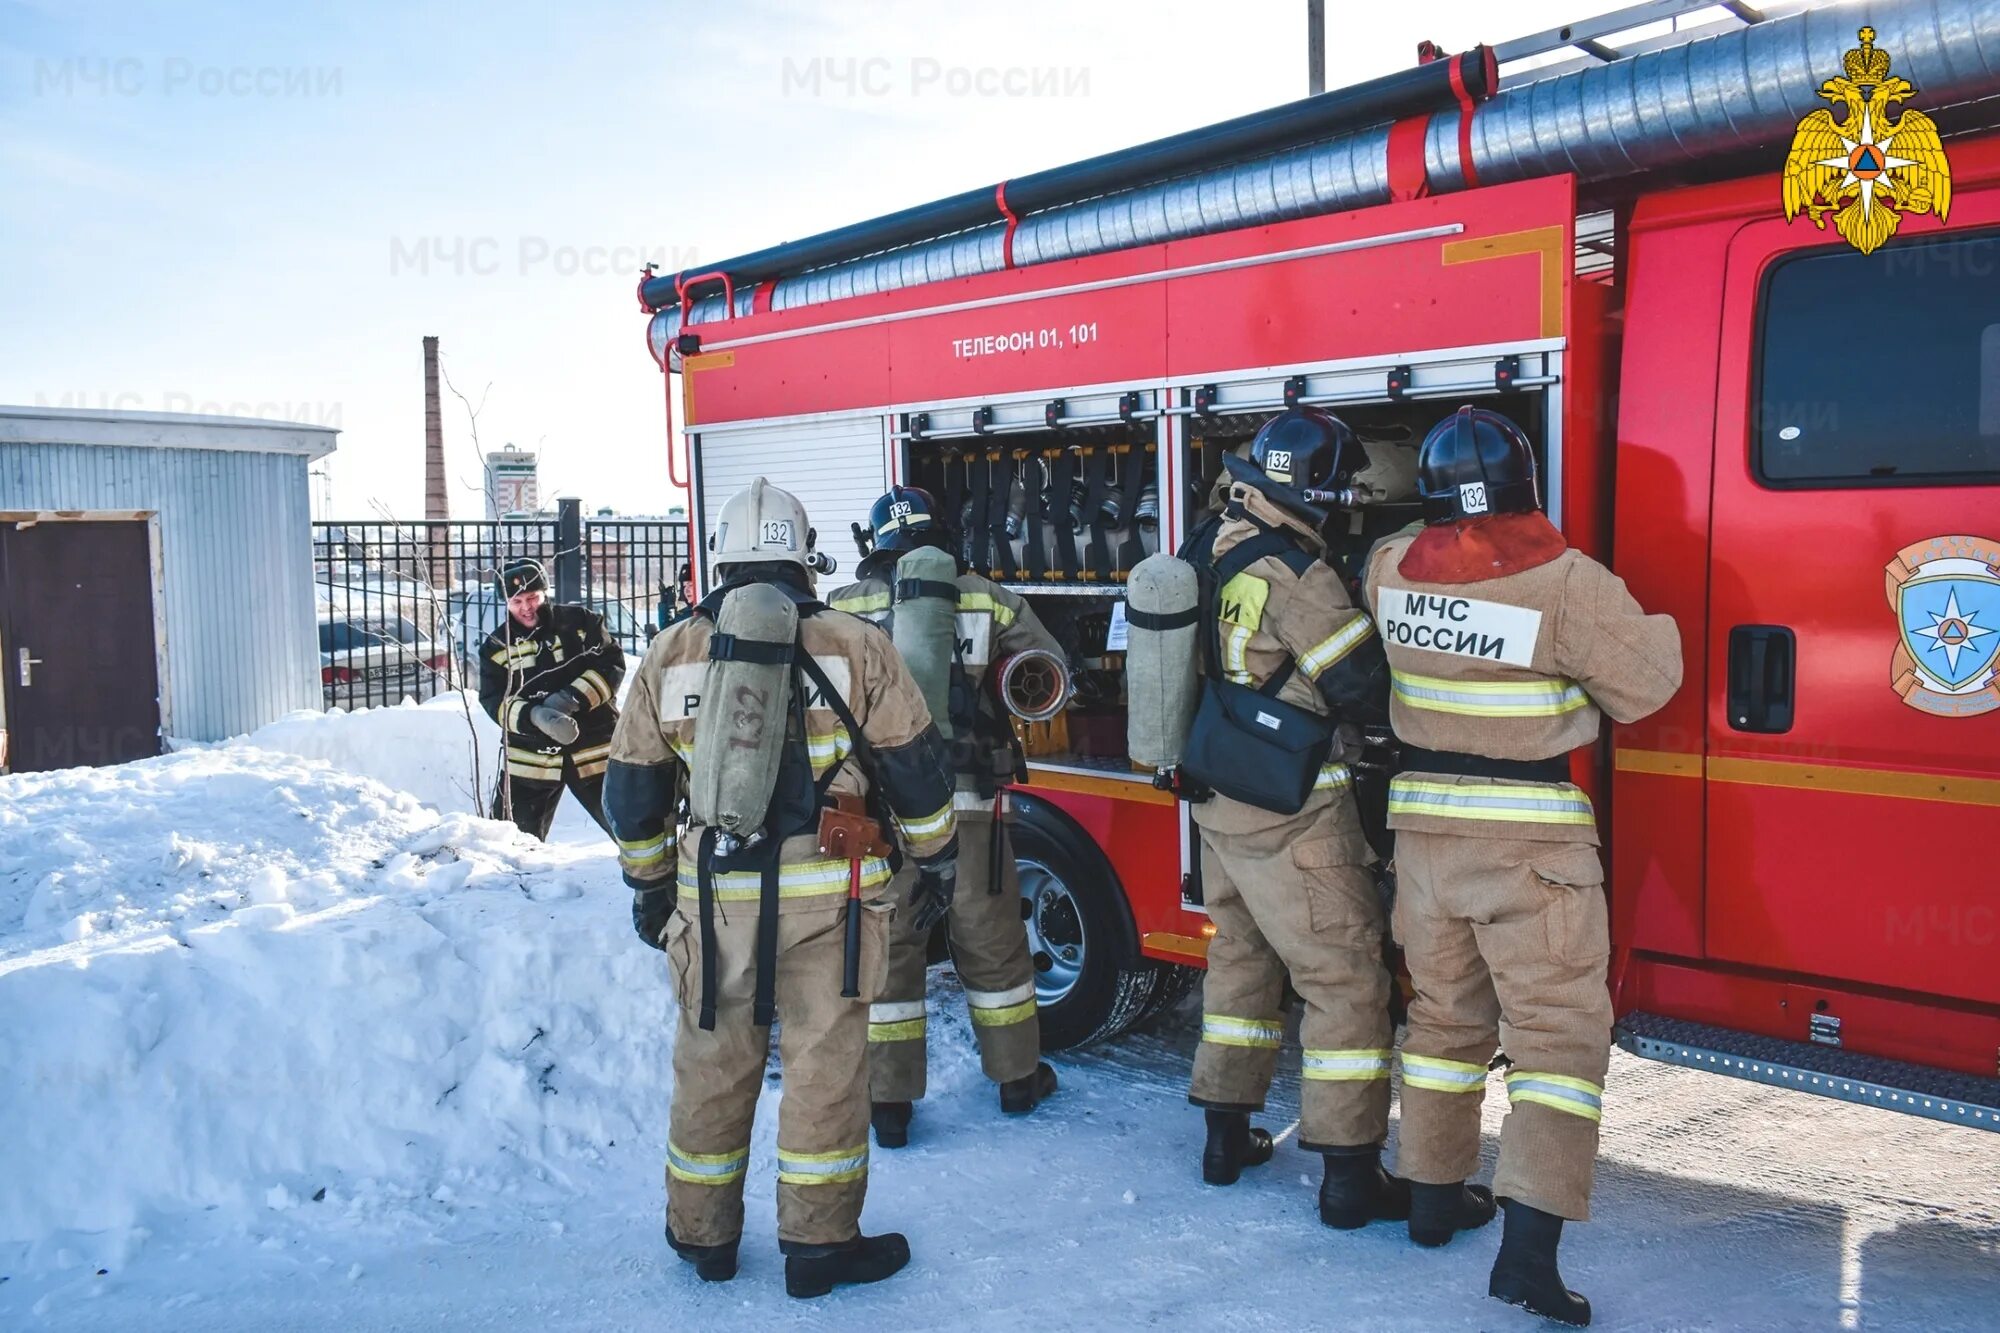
{"x": 1881, "y": 369}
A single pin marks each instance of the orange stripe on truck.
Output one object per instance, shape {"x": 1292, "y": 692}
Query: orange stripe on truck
{"x": 1807, "y": 775}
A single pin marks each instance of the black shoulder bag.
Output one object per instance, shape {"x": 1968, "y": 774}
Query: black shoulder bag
{"x": 1246, "y": 743}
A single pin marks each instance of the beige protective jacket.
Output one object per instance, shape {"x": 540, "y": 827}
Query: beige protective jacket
{"x": 1522, "y": 666}
{"x": 654, "y": 745}
{"x": 1270, "y": 615}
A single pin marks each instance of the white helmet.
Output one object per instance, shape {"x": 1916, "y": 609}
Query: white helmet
{"x": 761, "y": 522}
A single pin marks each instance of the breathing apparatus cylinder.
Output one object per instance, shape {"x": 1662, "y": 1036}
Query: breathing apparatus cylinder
{"x": 1162, "y": 659}
{"x": 746, "y": 693}
{"x": 925, "y": 626}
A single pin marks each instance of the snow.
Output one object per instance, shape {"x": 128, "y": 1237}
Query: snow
{"x": 226, "y": 970}
{"x": 426, "y": 749}
{"x": 293, "y": 1039}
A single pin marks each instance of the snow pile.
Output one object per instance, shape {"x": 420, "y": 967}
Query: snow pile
{"x": 232, "y": 978}
{"x": 427, "y": 749}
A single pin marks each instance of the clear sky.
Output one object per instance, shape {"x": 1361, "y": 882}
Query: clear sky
{"x": 260, "y": 209}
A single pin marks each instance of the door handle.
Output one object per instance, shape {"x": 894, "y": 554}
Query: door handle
{"x": 1761, "y": 662}
{"x": 28, "y": 665}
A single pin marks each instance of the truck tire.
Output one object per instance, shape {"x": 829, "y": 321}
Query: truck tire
{"x": 1172, "y": 987}
{"x": 1090, "y": 982}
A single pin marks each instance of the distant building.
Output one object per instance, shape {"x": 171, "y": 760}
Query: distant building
{"x": 512, "y": 486}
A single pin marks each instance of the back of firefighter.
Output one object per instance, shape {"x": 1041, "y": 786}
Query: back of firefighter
{"x": 549, "y": 676}
{"x": 1505, "y": 648}
{"x": 760, "y": 932}
{"x": 989, "y": 940}
{"x": 1292, "y": 891}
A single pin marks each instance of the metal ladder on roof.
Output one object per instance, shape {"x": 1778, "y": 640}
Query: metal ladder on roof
{"x": 1590, "y": 42}
{"x": 1588, "y": 38}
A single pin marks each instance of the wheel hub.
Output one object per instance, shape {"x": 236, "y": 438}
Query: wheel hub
{"x": 1057, "y": 941}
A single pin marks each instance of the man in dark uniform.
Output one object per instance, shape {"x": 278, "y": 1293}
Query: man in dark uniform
{"x": 549, "y": 676}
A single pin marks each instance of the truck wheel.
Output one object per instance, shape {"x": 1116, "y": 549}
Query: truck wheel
{"x": 1172, "y": 987}
{"x": 1089, "y": 983}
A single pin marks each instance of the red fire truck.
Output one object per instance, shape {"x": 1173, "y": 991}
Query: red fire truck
{"x": 1789, "y": 444}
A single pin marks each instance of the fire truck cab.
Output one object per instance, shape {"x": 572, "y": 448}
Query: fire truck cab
{"x": 1790, "y": 446}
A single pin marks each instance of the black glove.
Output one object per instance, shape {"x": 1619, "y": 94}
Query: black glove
{"x": 651, "y": 910}
{"x": 553, "y": 722}
{"x": 931, "y": 898}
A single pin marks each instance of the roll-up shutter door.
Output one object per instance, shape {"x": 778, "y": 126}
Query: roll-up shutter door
{"x": 834, "y": 465}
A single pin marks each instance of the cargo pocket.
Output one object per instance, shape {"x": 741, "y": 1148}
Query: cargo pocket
{"x": 1340, "y": 892}
{"x": 680, "y": 955}
{"x": 875, "y": 923}
{"x": 1572, "y": 885}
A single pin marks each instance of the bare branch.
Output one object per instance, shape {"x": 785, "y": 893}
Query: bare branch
{"x": 471, "y": 412}
{"x": 456, "y": 677}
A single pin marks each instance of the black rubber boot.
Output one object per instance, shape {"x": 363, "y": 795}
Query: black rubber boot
{"x": 712, "y": 1263}
{"x": 1439, "y": 1212}
{"x": 892, "y": 1123}
{"x": 1356, "y": 1190}
{"x": 1525, "y": 1272}
{"x": 1018, "y": 1096}
{"x": 815, "y": 1270}
{"x": 1233, "y": 1143}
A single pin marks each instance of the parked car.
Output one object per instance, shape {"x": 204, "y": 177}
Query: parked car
{"x": 366, "y": 663}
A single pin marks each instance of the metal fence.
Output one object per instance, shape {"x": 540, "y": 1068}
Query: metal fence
{"x": 403, "y": 606}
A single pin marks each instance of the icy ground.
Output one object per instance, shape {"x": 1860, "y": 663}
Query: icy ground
{"x": 285, "y": 1048}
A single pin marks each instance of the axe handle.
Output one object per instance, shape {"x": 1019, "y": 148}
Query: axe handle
{"x": 850, "y": 976}
{"x": 996, "y": 851}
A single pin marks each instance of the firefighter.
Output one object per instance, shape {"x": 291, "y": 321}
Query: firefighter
{"x": 989, "y": 940}
{"x": 755, "y": 924}
{"x": 549, "y": 676}
{"x": 1290, "y": 890}
{"x": 1505, "y": 646}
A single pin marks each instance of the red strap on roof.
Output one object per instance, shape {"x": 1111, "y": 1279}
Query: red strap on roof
{"x": 1013, "y": 222}
{"x": 1408, "y": 178}
{"x": 760, "y": 296}
{"x": 1465, "y": 104}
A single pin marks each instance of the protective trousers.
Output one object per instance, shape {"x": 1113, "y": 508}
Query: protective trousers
{"x": 1297, "y": 897}
{"x": 1507, "y": 943}
{"x": 533, "y": 799}
{"x": 823, "y": 1047}
{"x": 989, "y": 947}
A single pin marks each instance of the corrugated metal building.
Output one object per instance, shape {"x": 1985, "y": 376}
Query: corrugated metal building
{"x": 216, "y": 510}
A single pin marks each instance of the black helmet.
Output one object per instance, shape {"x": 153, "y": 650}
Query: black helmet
{"x": 904, "y": 519}
{"x": 522, "y": 574}
{"x": 1476, "y": 462}
{"x": 1303, "y": 449}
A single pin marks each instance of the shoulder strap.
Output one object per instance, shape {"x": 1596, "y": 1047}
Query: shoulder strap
{"x": 729, "y": 648}
{"x": 817, "y": 674}
{"x": 1268, "y": 542}
{"x": 1154, "y": 620}
{"x": 905, "y": 590}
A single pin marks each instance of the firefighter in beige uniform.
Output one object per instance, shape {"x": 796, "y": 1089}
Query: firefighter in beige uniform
{"x": 756, "y": 927}
{"x": 989, "y": 941}
{"x": 1505, "y": 647}
{"x": 1286, "y": 885}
